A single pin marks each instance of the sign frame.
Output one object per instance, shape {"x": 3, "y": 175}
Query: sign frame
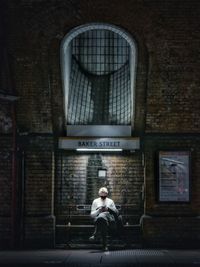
{"x": 99, "y": 143}
{"x": 174, "y": 171}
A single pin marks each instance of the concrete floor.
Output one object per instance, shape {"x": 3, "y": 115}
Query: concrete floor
{"x": 98, "y": 258}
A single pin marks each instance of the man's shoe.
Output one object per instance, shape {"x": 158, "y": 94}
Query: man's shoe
{"x": 105, "y": 248}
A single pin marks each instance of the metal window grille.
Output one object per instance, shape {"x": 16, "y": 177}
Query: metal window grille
{"x": 100, "y": 90}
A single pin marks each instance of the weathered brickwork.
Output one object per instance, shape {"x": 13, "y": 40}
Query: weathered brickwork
{"x": 5, "y": 183}
{"x": 38, "y": 182}
{"x": 38, "y": 192}
{"x": 167, "y": 113}
{"x": 77, "y": 180}
{"x": 39, "y": 232}
{"x": 173, "y": 65}
{"x": 5, "y": 118}
{"x": 5, "y": 231}
{"x": 5, "y": 190}
{"x": 6, "y": 153}
{"x": 181, "y": 232}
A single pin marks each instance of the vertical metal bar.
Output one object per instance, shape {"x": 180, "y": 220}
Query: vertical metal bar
{"x": 80, "y": 97}
{"x": 76, "y": 93}
{"x": 72, "y": 95}
{"x": 86, "y": 96}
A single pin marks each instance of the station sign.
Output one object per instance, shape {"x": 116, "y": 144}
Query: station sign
{"x": 99, "y": 143}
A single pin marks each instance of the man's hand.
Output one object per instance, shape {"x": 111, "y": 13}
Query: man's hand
{"x": 103, "y": 209}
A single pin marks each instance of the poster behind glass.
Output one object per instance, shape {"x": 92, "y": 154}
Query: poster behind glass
{"x": 174, "y": 176}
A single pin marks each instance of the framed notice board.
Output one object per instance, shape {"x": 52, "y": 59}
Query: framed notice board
{"x": 174, "y": 176}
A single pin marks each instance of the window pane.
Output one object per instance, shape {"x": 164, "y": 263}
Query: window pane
{"x": 100, "y": 70}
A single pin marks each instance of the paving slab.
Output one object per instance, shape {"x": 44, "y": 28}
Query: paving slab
{"x": 33, "y": 257}
{"x": 98, "y": 258}
{"x": 185, "y": 257}
{"x": 84, "y": 257}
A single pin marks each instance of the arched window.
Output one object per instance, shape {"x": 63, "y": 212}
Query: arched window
{"x": 98, "y": 63}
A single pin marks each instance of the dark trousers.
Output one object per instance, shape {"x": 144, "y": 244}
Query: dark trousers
{"x": 106, "y": 221}
{"x": 102, "y": 222}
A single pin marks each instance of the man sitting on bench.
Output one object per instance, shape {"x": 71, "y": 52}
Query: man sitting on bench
{"x": 104, "y": 213}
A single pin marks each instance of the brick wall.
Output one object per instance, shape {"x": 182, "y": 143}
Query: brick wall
{"x": 167, "y": 44}
{"x": 5, "y": 175}
{"x": 6, "y": 154}
{"x": 167, "y": 100}
{"x": 38, "y": 194}
{"x": 172, "y": 95}
{"x": 5, "y": 190}
{"x": 172, "y": 232}
{"x": 77, "y": 180}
